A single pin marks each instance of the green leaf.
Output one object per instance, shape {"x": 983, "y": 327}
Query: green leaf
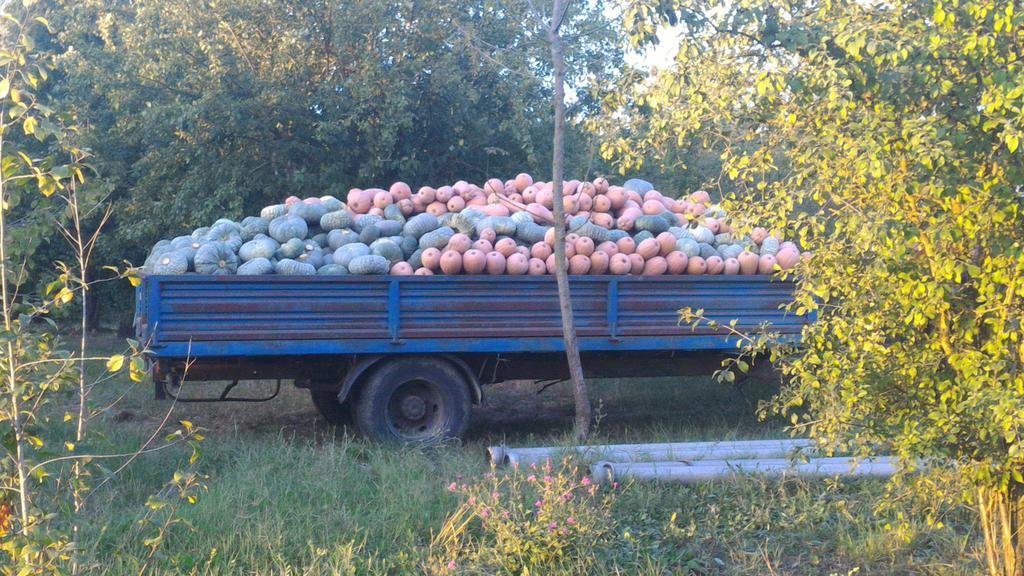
{"x": 5, "y": 87}
{"x": 1012, "y": 141}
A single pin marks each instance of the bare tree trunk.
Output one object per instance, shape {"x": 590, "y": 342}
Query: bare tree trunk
{"x": 572, "y": 352}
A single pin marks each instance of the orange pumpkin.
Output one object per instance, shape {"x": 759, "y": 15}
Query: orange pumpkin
{"x": 460, "y": 243}
{"x": 431, "y": 258}
{"x": 451, "y": 262}
{"x": 474, "y": 261}
{"x": 700, "y": 197}
{"x": 382, "y": 199}
{"x": 541, "y": 250}
{"x": 400, "y": 191}
{"x": 456, "y": 204}
{"x": 488, "y": 234}
{"x": 655, "y": 266}
{"x": 608, "y": 247}
{"x": 579, "y": 264}
{"x": 648, "y": 248}
{"x": 667, "y": 242}
{"x": 626, "y": 245}
{"x": 787, "y": 258}
{"x": 494, "y": 186}
{"x": 359, "y": 201}
{"x": 636, "y": 263}
{"x": 696, "y": 266}
{"x": 495, "y": 263}
{"x": 715, "y": 265}
{"x": 676, "y": 262}
{"x": 483, "y": 246}
{"x": 619, "y": 264}
{"x": 584, "y": 246}
{"x": 427, "y": 194}
{"x": 537, "y": 267}
{"x": 437, "y": 208}
{"x": 444, "y": 194}
{"x": 599, "y": 262}
{"x": 748, "y": 263}
{"x": 506, "y": 247}
{"x": 517, "y": 264}
{"x": 617, "y": 196}
{"x": 401, "y": 269}
{"x": 766, "y": 264}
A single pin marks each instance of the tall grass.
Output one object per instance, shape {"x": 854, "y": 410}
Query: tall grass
{"x": 288, "y": 495}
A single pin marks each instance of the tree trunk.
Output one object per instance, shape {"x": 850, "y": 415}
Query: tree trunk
{"x": 572, "y": 352}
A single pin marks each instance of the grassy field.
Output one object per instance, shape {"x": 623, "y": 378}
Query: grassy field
{"x": 289, "y": 495}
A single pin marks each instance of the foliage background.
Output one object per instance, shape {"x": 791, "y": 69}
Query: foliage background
{"x": 200, "y": 110}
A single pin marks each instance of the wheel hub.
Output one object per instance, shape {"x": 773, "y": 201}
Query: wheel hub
{"x": 413, "y": 407}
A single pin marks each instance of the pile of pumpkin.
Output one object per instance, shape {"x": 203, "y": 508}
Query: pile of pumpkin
{"x": 500, "y": 228}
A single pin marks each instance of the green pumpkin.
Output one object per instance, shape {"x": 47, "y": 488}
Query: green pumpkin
{"x": 436, "y": 238}
{"x": 332, "y": 270}
{"x": 256, "y": 267}
{"x": 311, "y": 213}
{"x": 338, "y": 238}
{"x": 253, "y": 226}
{"x": 275, "y": 211}
{"x": 215, "y": 258}
{"x": 770, "y": 246}
{"x": 171, "y": 263}
{"x": 348, "y": 252}
{"x": 688, "y": 246}
{"x": 291, "y": 249}
{"x": 285, "y": 228}
{"x": 394, "y": 213}
{"x": 652, "y": 224}
{"x": 369, "y": 264}
{"x": 259, "y": 247}
{"x": 336, "y": 220}
{"x": 388, "y": 249}
{"x": 389, "y": 228}
{"x": 420, "y": 224}
{"x": 331, "y": 203}
{"x": 289, "y": 267}
{"x": 702, "y": 234}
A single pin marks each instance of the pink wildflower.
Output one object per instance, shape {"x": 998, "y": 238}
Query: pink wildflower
{"x": 570, "y": 521}
{"x": 538, "y": 503}
{"x": 585, "y": 481}
{"x": 548, "y": 479}
{"x": 531, "y": 478}
{"x": 453, "y": 487}
{"x": 451, "y": 564}
{"x": 615, "y": 485}
{"x": 553, "y": 526}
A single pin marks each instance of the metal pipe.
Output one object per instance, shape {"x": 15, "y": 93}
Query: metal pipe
{"x": 702, "y": 471}
{"x": 679, "y": 451}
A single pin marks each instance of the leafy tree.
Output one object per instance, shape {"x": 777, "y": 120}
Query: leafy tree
{"x": 886, "y": 139}
{"x": 44, "y": 469}
{"x": 197, "y": 110}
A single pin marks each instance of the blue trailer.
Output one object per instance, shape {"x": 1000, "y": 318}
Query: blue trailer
{"x": 407, "y": 356}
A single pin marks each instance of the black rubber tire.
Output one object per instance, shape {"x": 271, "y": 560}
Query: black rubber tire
{"x": 336, "y": 413}
{"x": 392, "y": 396}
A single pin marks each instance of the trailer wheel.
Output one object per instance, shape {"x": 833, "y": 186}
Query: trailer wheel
{"x": 326, "y": 402}
{"x": 413, "y": 400}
